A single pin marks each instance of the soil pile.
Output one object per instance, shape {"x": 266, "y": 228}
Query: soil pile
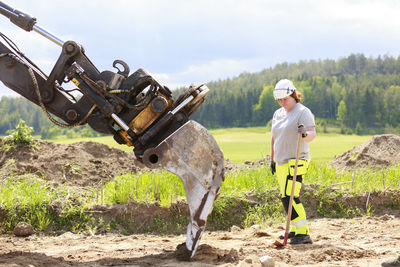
{"x": 261, "y": 163}
{"x": 82, "y": 164}
{"x": 379, "y": 151}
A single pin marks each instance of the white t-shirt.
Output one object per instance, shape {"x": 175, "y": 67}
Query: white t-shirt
{"x": 284, "y": 132}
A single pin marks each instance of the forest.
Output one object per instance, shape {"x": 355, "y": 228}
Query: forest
{"x": 358, "y": 94}
{"x": 355, "y": 92}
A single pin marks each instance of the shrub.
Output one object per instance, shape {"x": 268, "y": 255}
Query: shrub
{"x": 22, "y": 135}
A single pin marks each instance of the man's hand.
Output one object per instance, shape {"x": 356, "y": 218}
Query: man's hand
{"x": 302, "y": 130}
{"x": 272, "y": 167}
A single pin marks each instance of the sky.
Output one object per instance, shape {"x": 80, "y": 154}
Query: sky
{"x": 183, "y": 42}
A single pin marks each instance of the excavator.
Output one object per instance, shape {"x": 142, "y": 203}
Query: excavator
{"x": 133, "y": 107}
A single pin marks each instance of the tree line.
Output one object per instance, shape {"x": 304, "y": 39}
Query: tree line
{"x": 14, "y": 109}
{"x": 354, "y": 92}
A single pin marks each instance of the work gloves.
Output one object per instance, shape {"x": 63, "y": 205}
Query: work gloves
{"x": 272, "y": 167}
{"x": 302, "y": 130}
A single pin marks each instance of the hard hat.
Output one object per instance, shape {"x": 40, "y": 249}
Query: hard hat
{"x": 283, "y": 88}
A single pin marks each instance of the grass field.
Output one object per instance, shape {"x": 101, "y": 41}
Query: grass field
{"x": 241, "y": 144}
{"x": 26, "y": 198}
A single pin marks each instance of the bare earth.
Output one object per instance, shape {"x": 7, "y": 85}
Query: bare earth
{"x": 363, "y": 241}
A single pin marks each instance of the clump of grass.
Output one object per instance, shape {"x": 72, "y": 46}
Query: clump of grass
{"x": 248, "y": 196}
{"x": 357, "y": 181}
{"x": 25, "y": 199}
{"x": 332, "y": 204}
{"x": 29, "y": 199}
{"x": 156, "y": 185}
{"x": 74, "y": 168}
{"x": 22, "y": 135}
{"x": 240, "y": 182}
{"x": 264, "y": 213}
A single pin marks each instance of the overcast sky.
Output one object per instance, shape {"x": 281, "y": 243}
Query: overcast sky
{"x": 185, "y": 41}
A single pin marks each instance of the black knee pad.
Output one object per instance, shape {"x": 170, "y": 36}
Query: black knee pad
{"x": 285, "y": 202}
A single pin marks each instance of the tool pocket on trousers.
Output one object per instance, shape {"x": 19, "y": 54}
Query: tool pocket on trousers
{"x": 297, "y": 188}
{"x": 302, "y": 167}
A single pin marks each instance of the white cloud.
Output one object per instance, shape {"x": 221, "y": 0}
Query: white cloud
{"x": 191, "y": 41}
{"x": 208, "y": 71}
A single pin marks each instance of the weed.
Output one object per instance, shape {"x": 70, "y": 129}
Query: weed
{"x": 263, "y": 214}
{"x": 74, "y": 168}
{"x": 22, "y": 135}
{"x": 369, "y": 211}
{"x": 10, "y": 162}
{"x": 160, "y": 225}
{"x": 29, "y": 199}
{"x": 354, "y": 156}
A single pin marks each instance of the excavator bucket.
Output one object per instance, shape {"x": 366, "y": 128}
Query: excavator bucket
{"x": 192, "y": 153}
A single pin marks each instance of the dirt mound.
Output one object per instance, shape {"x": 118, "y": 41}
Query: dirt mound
{"x": 261, "y": 163}
{"x": 82, "y": 164}
{"x": 79, "y": 165}
{"x": 379, "y": 151}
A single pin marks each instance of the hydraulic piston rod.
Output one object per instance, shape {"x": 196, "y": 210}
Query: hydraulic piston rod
{"x": 27, "y": 22}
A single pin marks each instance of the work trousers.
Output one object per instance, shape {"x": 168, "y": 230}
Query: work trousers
{"x": 285, "y": 174}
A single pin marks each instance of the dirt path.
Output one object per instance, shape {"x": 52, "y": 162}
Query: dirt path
{"x": 362, "y": 241}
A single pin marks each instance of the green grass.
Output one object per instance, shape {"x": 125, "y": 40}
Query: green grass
{"x": 326, "y": 146}
{"x": 156, "y": 185}
{"x": 241, "y": 144}
{"x": 29, "y": 199}
{"x": 251, "y": 196}
{"x": 253, "y": 143}
{"x": 247, "y": 197}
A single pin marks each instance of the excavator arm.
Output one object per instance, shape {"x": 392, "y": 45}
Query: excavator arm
{"x": 133, "y": 107}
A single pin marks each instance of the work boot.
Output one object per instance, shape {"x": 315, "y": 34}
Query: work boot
{"x": 301, "y": 239}
{"x": 391, "y": 263}
{"x": 290, "y": 235}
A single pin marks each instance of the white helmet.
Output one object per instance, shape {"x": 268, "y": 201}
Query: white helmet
{"x": 283, "y": 88}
